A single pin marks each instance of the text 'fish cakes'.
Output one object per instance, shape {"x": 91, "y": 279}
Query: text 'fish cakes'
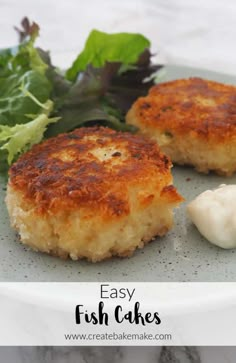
{"x": 194, "y": 122}
{"x": 92, "y": 193}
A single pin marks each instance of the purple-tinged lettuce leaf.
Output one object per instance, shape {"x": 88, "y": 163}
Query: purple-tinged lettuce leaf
{"x": 101, "y": 48}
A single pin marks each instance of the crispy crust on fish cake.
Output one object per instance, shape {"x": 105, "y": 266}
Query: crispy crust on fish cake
{"x": 92, "y": 193}
{"x": 193, "y": 120}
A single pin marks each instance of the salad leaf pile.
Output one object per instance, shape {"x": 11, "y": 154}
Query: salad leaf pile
{"x": 38, "y": 100}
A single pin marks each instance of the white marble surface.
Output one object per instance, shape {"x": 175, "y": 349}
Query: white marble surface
{"x": 118, "y": 355}
{"x": 200, "y": 33}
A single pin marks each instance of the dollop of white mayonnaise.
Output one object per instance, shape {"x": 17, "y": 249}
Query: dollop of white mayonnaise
{"x": 214, "y": 214}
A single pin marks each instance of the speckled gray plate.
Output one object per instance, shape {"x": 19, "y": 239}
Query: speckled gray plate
{"x": 182, "y": 255}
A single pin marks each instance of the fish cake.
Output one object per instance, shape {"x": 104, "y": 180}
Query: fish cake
{"x": 92, "y": 193}
{"x": 194, "y": 122}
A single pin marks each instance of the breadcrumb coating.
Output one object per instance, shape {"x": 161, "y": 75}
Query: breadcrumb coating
{"x": 92, "y": 193}
{"x": 193, "y": 120}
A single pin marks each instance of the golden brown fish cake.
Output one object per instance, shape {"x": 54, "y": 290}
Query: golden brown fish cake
{"x": 194, "y": 122}
{"x": 92, "y": 193}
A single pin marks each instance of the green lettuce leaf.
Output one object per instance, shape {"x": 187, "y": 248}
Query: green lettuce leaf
{"x": 20, "y": 138}
{"x": 102, "y": 96}
{"x": 13, "y": 105}
{"x": 38, "y": 100}
{"x": 22, "y": 65}
{"x": 102, "y": 47}
{"x": 85, "y": 103}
